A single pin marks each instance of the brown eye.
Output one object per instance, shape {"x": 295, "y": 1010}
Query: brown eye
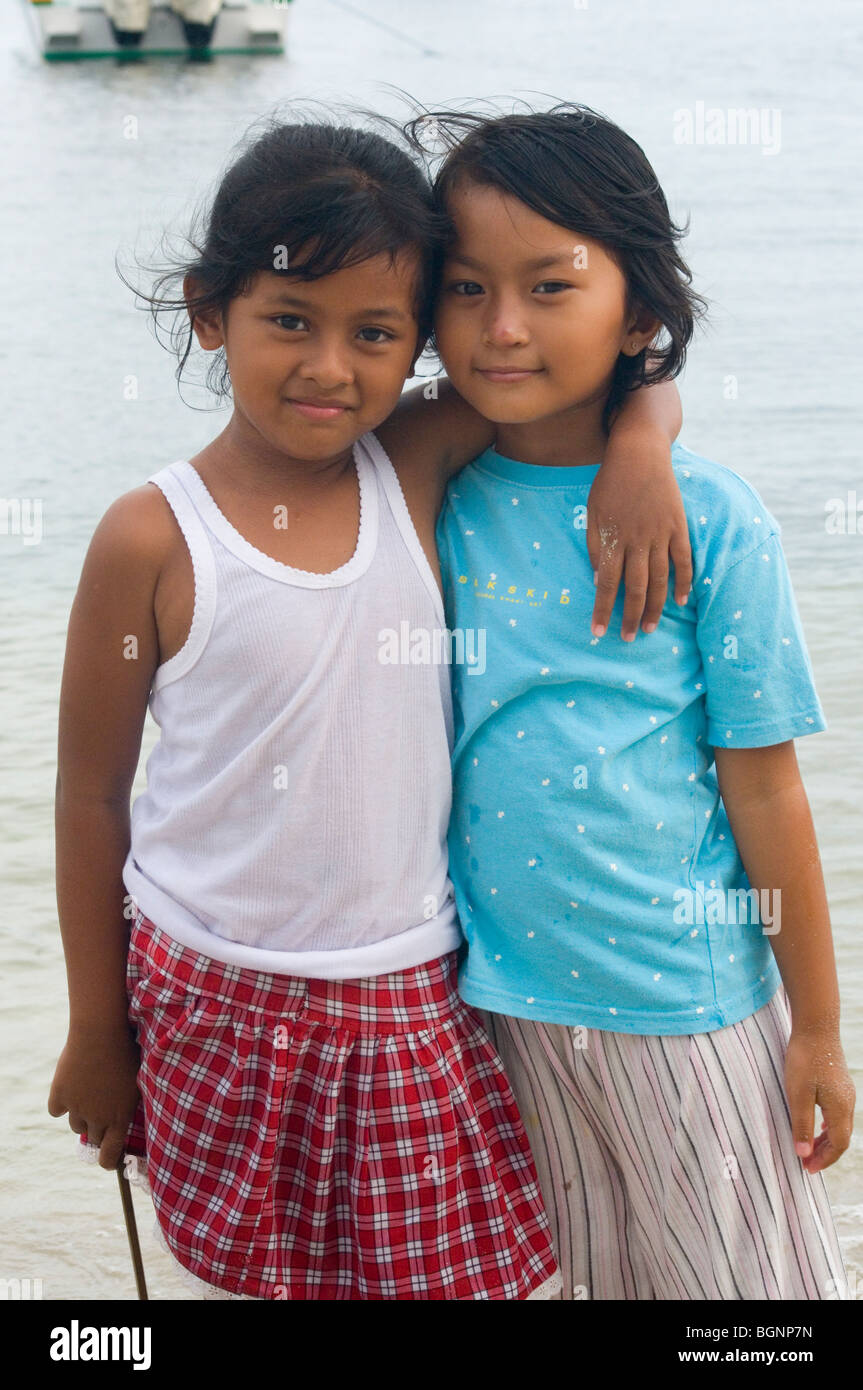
{"x": 383, "y": 335}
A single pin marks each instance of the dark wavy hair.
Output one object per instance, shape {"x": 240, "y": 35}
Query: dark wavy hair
{"x": 578, "y": 169}
{"x": 336, "y": 193}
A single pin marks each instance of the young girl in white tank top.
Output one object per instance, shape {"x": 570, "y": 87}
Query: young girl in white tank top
{"x": 317, "y": 1113}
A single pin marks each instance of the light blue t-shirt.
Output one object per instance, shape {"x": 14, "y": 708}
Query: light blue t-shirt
{"x": 596, "y": 876}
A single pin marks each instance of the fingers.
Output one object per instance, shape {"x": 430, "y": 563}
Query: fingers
{"x": 835, "y": 1133}
{"x": 801, "y": 1102}
{"x": 637, "y": 576}
{"x": 681, "y": 558}
{"x": 608, "y": 575}
{"x": 646, "y": 575}
{"x": 55, "y": 1105}
{"x": 657, "y": 590}
{"x": 112, "y": 1148}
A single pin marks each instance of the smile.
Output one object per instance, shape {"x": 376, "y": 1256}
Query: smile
{"x": 318, "y": 410}
{"x": 508, "y": 374}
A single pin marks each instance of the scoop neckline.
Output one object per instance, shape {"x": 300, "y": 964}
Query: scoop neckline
{"x": 535, "y": 474}
{"x": 277, "y": 569}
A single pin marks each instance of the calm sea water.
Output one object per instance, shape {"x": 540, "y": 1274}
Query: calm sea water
{"x": 772, "y": 390}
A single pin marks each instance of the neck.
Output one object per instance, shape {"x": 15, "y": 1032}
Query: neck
{"x": 242, "y": 457}
{"x": 571, "y": 438}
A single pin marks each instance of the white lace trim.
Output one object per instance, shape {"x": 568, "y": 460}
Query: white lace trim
{"x": 550, "y": 1289}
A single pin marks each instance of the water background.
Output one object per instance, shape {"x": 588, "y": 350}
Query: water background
{"x": 774, "y": 244}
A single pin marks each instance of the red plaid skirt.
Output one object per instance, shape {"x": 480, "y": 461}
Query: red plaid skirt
{"x": 330, "y": 1139}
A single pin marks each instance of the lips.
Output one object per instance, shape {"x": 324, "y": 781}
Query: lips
{"x": 508, "y": 373}
{"x": 318, "y": 409}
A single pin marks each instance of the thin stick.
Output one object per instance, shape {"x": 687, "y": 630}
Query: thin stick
{"x": 132, "y": 1232}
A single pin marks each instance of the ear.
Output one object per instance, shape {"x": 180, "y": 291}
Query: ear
{"x": 206, "y": 323}
{"x": 641, "y": 330}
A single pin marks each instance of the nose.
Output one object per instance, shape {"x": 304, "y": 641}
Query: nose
{"x": 504, "y": 324}
{"x": 326, "y": 362}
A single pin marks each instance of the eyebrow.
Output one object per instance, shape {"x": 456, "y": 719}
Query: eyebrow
{"x": 386, "y": 311}
{"x": 541, "y": 263}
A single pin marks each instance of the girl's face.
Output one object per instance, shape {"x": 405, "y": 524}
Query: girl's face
{"x": 531, "y": 317}
{"x": 316, "y": 363}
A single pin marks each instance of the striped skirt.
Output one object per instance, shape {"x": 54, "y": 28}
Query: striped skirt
{"x": 330, "y": 1139}
{"x": 667, "y": 1164}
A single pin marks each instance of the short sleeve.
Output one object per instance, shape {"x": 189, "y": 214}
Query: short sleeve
{"x": 758, "y": 676}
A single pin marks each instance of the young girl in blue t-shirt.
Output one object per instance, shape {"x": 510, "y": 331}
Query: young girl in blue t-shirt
{"x": 631, "y": 846}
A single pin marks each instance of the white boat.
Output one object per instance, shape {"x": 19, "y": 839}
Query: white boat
{"x": 157, "y": 28}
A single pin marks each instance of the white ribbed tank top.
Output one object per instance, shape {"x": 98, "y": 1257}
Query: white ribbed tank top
{"x": 297, "y": 800}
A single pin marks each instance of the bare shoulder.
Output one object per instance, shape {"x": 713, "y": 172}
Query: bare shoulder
{"x": 138, "y": 529}
{"x": 429, "y": 438}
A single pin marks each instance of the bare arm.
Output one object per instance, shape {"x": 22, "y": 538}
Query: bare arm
{"x": 111, "y": 654}
{"x": 636, "y": 520}
{"x": 772, "y": 824}
{"x": 635, "y": 517}
{"x": 430, "y": 438}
